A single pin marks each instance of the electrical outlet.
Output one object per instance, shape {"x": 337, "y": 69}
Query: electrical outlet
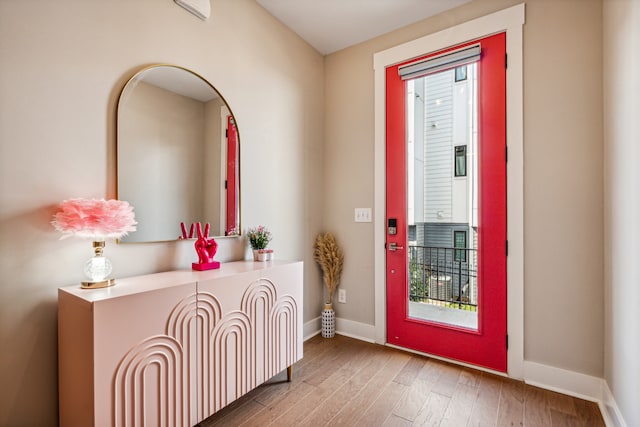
{"x": 342, "y": 296}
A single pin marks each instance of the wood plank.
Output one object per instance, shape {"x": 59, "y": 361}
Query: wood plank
{"x": 233, "y": 416}
{"x": 561, "y": 403}
{"x": 336, "y": 357}
{"x": 431, "y": 371}
{"x": 433, "y": 410}
{"x": 410, "y": 370}
{"x": 369, "y": 391}
{"x": 325, "y": 389}
{"x": 460, "y": 406}
{"x": 267, "y": 414}
{"x": 470, "y": 377}
{"x": 485, "y": 408}
{"x": 562, "y": 419}
{"x": 589, "y": 413}
{"x": 381, "y": 409}
{"x": 511, "y": 409}
{"x": 395, "y": 421}
{"x": 409, "y": 406}
{"x": 448, "y": 379}
{"x": 536, "y": 407}
{"x": 313, "y": 373}
{"x": 325, "y": 411}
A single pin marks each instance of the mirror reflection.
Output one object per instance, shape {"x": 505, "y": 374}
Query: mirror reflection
{"x": 177, "y": 155}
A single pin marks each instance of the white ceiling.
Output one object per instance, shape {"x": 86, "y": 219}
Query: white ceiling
{"x": 178, "y": 81}
{"x": 331, "y": 25}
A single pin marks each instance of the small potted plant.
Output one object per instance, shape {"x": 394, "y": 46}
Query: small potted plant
{"x": 259, "y": 238}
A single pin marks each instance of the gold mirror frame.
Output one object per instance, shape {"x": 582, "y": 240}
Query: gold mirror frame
{"x": 173, "y": 133}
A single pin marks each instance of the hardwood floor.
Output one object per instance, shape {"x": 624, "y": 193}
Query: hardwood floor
{"x": 347, "y": 382}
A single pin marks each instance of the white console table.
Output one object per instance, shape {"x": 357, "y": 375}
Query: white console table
{"x": 171, "y": 349}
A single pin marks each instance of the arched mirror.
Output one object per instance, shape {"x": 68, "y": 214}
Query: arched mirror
{"x": 177, "y": 155}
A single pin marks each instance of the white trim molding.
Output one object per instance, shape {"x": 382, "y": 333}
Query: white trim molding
{"x": 578, "y": 385}
{"x": 511, "y": 21}
{"x": 609, "y": 408}
{"x": 346, "y": 327}
{"x": 311, "y": 328}
{"x": 563, "y": 381}
{"x": 361, "y": 331}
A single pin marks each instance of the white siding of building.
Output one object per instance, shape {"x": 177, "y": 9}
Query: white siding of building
{"x": 438, "y": 148}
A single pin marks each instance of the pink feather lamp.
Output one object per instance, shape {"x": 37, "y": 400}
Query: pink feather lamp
{"x": 97, "y": 219}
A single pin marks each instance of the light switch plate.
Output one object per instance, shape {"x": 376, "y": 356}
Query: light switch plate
{"x": 363, "y": 215}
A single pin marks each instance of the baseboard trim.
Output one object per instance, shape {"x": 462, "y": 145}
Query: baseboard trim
{"x": 311, "y": 328}
{"x": 346, "y": 327}
{"x": 609, "y": 408}
{"x": 577, "y": 385}
{"x": 563, "y": 381}
{"x": 357, "y": 330}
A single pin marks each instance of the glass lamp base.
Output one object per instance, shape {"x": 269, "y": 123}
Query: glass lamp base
{"x": 98, "y": 269}
{"x": 100, "y": 284}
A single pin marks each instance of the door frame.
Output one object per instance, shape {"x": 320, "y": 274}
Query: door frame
{"x": 224, "y": 114}
{"x": 509, "y": 20}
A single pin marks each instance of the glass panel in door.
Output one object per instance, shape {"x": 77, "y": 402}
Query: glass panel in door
{"x": 442, "y": 196}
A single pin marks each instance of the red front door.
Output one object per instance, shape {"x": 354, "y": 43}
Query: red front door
{"x": 446, "y": 197}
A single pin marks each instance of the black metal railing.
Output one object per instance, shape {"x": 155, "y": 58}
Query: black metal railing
{"x": 443, "y": 276}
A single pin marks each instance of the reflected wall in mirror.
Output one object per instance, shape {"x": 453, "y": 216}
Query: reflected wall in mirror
{"x": 177, "y": 155}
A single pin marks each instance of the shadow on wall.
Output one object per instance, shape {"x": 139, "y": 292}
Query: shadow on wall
{"x": 30, "y": 263}
{"x": 32, "y": 359}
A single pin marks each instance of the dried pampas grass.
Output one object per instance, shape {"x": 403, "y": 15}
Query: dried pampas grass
{"x": 330, "y": 258}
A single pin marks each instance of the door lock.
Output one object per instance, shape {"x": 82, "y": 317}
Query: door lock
{"x": 392, "y": 226}
{"x": 394, "y": 247}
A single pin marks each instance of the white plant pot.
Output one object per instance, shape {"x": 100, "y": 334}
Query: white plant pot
{"x": 262, "y": 255}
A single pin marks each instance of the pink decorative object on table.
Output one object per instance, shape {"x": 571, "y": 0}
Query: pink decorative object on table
{"x": 206, "y": 248}
{"x": 186, "y": 235}
{"x": 97, "y": 219}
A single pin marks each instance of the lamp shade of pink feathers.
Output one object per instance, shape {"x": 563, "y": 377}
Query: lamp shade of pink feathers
{"x": 97, "y": 219}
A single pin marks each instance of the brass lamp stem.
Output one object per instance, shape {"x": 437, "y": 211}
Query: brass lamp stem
{"x": 98, "y": 247}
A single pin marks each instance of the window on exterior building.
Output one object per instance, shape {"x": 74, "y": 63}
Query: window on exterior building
{"x": 460, "y": 160}
{"x": 461, "y": 73}
{"x": 460, "y": 241}
{"x": 412, "y": 233}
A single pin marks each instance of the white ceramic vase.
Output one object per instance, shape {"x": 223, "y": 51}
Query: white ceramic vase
{"x": 328, "y": 321}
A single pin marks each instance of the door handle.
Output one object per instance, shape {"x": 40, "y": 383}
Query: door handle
{"x": 394, "y": 247}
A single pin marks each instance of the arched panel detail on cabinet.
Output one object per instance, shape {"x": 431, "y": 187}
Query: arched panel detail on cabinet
{"x": 257, "y": 303}
{"x": 148, "y": 385}
{"x": 284, "y": 329}
{"x": 232, "y": 352}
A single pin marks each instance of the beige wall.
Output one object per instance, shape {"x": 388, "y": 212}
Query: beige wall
{"x": 622, "y": 204}
{"x": 63, "y": 66}
{"x": 563, "y": 173}
{"x": 564, "y": 185}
